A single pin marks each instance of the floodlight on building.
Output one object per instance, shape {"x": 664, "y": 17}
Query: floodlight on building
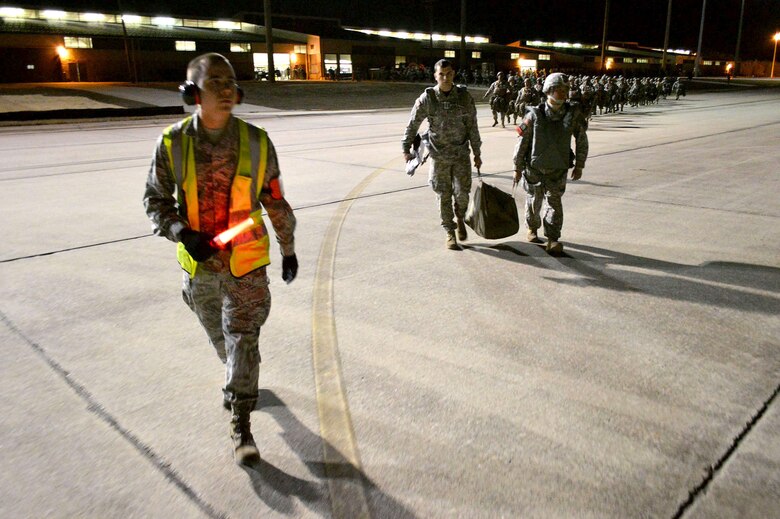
{"x": 53, "y": 15}
{"x": 163, "y": 21}
{"x": 63, "y": 52}
{"x": 609, "y": 63}
{"x": 227, "y": 25}
{"x": 131, "y": 19}
{"x": 11, "y": 12}
{"x": 675, "y": 51}
{"x": 93, "y": 17}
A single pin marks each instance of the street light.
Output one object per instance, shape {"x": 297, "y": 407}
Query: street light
{"x": 774, "y": 55}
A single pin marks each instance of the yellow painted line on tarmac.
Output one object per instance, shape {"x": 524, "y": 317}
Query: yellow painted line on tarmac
{"x": 343, "y": 469}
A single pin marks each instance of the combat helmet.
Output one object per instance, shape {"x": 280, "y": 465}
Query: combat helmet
{"x": 554, "y": 80}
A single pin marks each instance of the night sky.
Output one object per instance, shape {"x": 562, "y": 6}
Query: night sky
{"x": 643, "y": 21}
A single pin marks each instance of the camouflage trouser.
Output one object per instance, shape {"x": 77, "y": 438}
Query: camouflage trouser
{"x": 232, "y": 310}
{"x": 547, "y": 185}
{"x": 451, "y": 179}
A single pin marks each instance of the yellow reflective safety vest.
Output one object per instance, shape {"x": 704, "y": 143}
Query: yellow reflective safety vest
{"x": 249, "y": 252}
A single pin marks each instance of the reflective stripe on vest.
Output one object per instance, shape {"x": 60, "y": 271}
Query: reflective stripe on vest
{"x": 248, "y": 252}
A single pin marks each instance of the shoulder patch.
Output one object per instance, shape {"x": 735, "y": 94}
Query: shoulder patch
{"x": 523, "y": 127}
{"x": 275, "y": 188}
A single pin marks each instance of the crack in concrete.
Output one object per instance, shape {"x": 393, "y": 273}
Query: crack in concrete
{"x": 712, "y": 470}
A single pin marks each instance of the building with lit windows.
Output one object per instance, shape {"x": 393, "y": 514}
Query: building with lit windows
{"x": 38, "y": 45}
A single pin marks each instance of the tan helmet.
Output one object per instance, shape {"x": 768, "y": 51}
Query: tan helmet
{"x": 553, "y": 81}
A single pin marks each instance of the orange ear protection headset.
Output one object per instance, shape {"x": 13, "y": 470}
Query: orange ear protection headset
{"x": 190, "y": 93}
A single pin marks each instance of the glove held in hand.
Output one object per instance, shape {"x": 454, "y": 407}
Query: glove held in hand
{"x": 198, "y": 244}
{"x": 289, "y": 268}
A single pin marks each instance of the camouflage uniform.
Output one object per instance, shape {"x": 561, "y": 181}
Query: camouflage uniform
{"x": 542, "y": 155}
{"x": 526, "y": 97}
{"x": 452, "y": 125}
{"x": 230, "y": 309}
{"x": 499, "y": 93}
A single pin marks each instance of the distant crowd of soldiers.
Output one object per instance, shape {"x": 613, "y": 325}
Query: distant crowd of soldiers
{"x": 513, "y": 94}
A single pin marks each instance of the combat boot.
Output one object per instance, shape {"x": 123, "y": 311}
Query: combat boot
{"x": 462, "y": 230}
{"x": 452, "y": 243}
{"x": 244, "y": 446}
{"x": 554, "y": 247}
{"x": 495, "y": 122}
{"x": 532, "y": 236}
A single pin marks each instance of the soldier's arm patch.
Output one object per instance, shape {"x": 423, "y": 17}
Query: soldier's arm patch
{"x": 522, "y": 128}
{"x": 274, "y": 189}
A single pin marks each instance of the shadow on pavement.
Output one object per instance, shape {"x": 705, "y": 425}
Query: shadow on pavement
{"x": 277, "y": 488}
{"x": 721, "y": 284}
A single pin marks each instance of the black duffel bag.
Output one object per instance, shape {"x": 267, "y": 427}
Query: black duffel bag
{"x": 492, "y": 213}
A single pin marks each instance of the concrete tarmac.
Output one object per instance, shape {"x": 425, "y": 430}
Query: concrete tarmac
{"x": 637, "y": 376}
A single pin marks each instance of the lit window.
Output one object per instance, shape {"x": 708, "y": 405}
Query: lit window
{"x": 345, "y": 63}
{"x": 183, "y": 45}
{"x": 449, "y": 53}
{"x": 628, "y": 60}
{"x": 475, "y": 55}
{"x": 400, "y": 60}
{"x": 30, "y": 67}
{"x": 515, "y": 55}
{"x": 331, "y": 62}
{"x": 544, "y": 57}
{"x": 299, "y": 49}
{"x": 76, "y": 42}
{"x": 717, "y": 62}
{"x": 240, "y": 47}
{"x": 642, "y": 60}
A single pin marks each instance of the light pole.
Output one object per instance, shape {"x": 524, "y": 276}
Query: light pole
{"x": 774, "y": 54}
{"x": 666, "y": 36}
{"x": 739, "y": 38}
{"x": 604, "y": 35}
{"x": 697, "y": 62}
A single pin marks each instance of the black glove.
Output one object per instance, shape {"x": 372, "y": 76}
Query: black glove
{"x": 289, "y": 268}
{"x": 198, "y": 244}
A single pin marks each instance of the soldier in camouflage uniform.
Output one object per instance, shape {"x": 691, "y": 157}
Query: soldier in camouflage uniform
{"x": 542, "y": 158}
{"x": 526, "y": 97}
{"x": 511, "y": 109}
{"x": 499, "y": 93}
{"x": 452, "y": 126}
{"x": 210, "y": 171}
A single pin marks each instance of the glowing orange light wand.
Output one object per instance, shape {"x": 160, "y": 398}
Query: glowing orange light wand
{"x": 222, "y": 239}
